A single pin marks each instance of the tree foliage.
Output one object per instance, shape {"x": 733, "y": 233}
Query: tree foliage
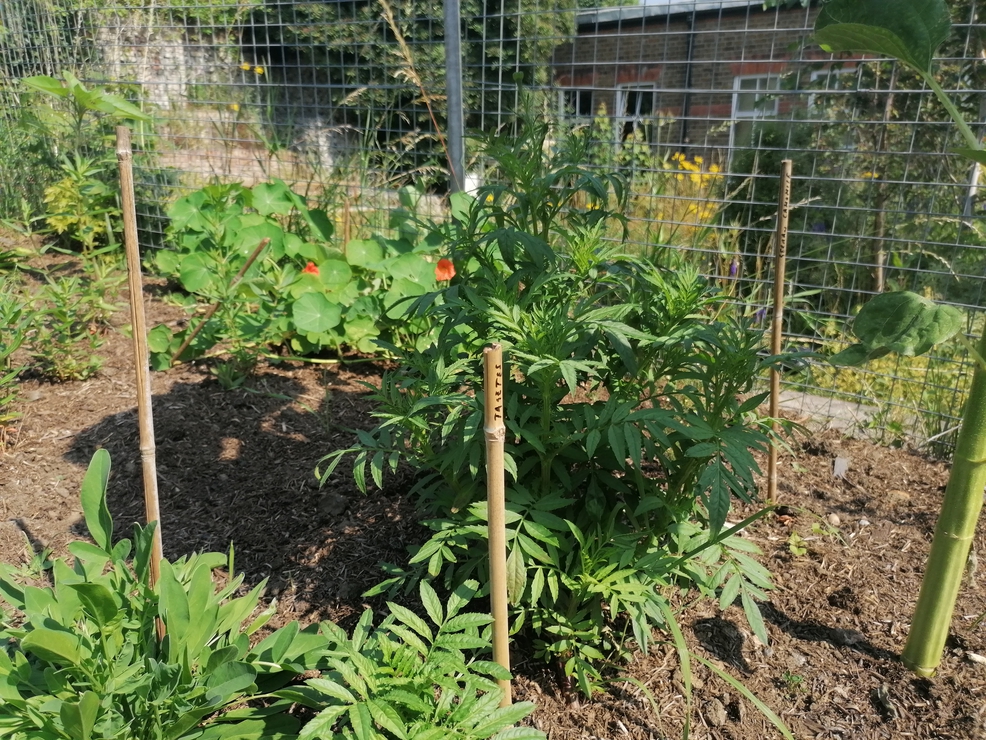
{"x": 382, "y": 75}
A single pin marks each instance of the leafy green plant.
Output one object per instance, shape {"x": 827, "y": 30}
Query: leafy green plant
{"x": 630, "y": 424}
{"x": 82, "y": 205}
{"x": 302, "y": 292}
{"x": 910, "y": 325}
{"x": 82, "y": 659}
{"x": 411, "y": 679}
{"x": 14, "y": 320}
{"x": 71, "y": 126}
{"x": 67, "y": 325}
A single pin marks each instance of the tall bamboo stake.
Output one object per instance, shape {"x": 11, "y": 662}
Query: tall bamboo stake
{"x": 780, "y": 264}
{"x": 145, "y": 414}
{"x": 954, "y": 534}
{"x": 496, "y": 433}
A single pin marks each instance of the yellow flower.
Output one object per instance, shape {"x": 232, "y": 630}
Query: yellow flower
{"x": 234, "y": 107}
{"x": 245, "y": 67}
{"x": 698, "y": 159}
{"x": 489, "y": 197}
{"x": 258, "y": 70}
{"x": 869, "y": 175}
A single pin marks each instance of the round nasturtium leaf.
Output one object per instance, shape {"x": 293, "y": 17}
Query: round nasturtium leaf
{"x": 413, "y": 267}
{"x": 395, "y": 299}
{"x": 292, "y": 244}
{"x": 247, "y": 239}
{"x": 197, "y": 272}
{"x": 272, "y": 197}
{"x": 363, "y": 252}
{"x": 334, "y": 274}
{"x": 313, "y": 313}
{"x": 360, "y": 332}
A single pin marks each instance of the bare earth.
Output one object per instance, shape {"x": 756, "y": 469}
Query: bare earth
{"x": 237, "y": 466}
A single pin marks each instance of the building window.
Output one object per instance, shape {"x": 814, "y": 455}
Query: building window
{"x": 830, "y": 80}
{"x": 575, "y": 102}
{"x": 754, "y": 99}
{"x": 636, "y": 104}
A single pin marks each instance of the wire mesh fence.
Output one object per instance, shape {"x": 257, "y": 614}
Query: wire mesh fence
{"x": 695, "y": 102}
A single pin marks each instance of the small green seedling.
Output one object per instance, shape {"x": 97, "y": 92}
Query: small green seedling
{"x": 797, "y": 545}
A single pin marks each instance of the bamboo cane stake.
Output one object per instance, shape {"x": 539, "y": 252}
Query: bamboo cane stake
{"x": 215, "y": 306}
{"x": 955, "y": 533}
{"x": 496, "y": 433}
{"x": 780, "y": 264}
{"x": 145, "y": 414}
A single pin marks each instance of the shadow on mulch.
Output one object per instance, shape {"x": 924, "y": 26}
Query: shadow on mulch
{"x": 237, "y": 467}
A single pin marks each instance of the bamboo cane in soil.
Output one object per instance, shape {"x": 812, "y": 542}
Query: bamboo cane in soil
{"x": 780, "y": 263}
{"x": 954, "y": 534}
{"x": 496, "y": 433}
{"x": 145, "y": 414}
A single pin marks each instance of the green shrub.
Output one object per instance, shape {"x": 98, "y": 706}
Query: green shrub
{"x": 14, "y": 317}
{"x": 628, "y": 432}
{"x": 81, "y": 658}
{"x": 67, "y": 323}
{"x": 70, "y": 129}
{"x": 407, "y": 678}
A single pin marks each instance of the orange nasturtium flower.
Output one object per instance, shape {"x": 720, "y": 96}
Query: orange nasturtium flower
{"x": 444, "y": 270}
{"x": 311, "y": 268}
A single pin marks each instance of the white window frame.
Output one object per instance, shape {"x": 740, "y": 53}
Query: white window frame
{"x": 634, "y": 118}
{"x": 564, "y": 113}
{"x": 834, "y": 76}
{"x": 766, "y": 105}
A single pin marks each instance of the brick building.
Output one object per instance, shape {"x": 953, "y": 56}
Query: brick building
{"x": 694, "y": 74}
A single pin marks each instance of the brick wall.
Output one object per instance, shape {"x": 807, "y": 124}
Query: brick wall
{"x": 695, "y": 90}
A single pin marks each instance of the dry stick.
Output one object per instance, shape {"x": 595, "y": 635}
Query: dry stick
{"x": 145, "y": 414}
{"x": 780, "y": 262}
{"x": 215, "y": 306}
{"x": 496, "y": 433}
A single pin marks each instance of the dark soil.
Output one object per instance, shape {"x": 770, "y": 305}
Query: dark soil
{"x": 237, "y": 467}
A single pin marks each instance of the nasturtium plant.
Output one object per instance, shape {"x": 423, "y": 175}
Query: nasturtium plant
{"x": 304, "y": 292}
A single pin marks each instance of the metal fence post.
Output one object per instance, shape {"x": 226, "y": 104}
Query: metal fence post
{"x": 453, "y": 79}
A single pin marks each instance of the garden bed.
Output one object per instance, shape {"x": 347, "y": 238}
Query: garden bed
{"x": 237, "y": 466}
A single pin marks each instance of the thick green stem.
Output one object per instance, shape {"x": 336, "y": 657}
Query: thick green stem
{"x": 971, "y": 139}
{"x": 953, "y": 534}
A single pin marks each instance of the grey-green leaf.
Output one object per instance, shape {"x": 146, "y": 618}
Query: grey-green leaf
{"x": 98, "y": 602}
{"x": 905, "y": 323}
{"x": 909, "y": 30}
{"x": 97, "y": 514}
{"x": 52, "y": 646}
{"x": 976, "y": 155}
{"x": 79, "y": 718}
